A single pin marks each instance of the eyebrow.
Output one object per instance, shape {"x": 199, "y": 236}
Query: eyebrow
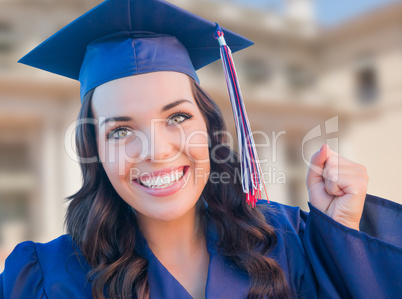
{"x": 164, "y": 108}
{"x": 174, "y": 104}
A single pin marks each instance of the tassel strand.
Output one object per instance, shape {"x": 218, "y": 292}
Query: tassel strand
{"x": 252, "y": 179}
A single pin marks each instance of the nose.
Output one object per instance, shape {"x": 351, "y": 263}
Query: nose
{"x": 160, "y": 145}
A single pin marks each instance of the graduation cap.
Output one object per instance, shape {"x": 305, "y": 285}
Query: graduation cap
{"x": 120, "y": 38}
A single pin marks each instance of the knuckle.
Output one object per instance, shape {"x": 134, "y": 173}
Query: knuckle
{"x": 361, "y": 184}
{"x": 333, "y": 161}
{"x": 331, "y": 187}
{"x": 363, "y": 172}
{"x": 332, "y": 173}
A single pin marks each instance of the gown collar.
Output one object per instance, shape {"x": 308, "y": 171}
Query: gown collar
{"x": 224, "y": 280}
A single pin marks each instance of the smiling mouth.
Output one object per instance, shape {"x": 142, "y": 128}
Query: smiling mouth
{"x": 164, "y": 180}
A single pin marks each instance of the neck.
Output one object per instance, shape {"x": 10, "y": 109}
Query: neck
{"x": 174, "y": 239}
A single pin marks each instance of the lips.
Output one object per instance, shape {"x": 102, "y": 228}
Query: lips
{"x": 163, "y": 180}
{"x": 159, "y": 192}
{"x": 165, "y": 171}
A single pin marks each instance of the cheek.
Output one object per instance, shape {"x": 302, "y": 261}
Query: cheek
{"x": 114, "y": 159}
{"x": 197, "y": 146}
{"x": 198, "y": 152}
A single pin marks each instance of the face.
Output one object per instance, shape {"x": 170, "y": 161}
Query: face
{"x": 152, "y": 141}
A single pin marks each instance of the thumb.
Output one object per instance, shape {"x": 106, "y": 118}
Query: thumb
{"x": 316, "y": 166}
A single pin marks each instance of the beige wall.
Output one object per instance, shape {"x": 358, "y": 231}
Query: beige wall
{"x": 372, "y": 136}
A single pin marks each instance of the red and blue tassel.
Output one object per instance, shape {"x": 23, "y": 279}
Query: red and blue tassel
{"x": 252, "y": 179}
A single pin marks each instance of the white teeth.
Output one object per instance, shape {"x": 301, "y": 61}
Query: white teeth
{"x": 163, "y": 181}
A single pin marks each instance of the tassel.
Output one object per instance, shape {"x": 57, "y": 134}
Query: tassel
{"x": 252, "y": 180}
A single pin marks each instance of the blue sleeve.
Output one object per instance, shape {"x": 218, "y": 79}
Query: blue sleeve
{"x": 347, "y": 263}
{"x": 1, "y": 287}
{"x": 22, "y": 276}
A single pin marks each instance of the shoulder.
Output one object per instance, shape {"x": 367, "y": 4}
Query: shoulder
{"x": 282, "y": 216}
{"x": 44, "y": 269}
{"x": 63, "y": 243}
{"x": 289, "y": 224}
{"x": 28, "y": 252}
{"x": 42, "y": 254}
{"x": 29, "y": 249}
{"x": 55, "y": 250}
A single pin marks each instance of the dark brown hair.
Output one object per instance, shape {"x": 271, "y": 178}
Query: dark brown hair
{"x": 101, "y": 223}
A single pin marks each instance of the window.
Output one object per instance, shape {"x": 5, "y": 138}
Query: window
{"x": 366, "y": 79}
{"x": 257, "y": 71}
{"x": 17, "y": 183}
{"x": 299, "y": 77}
{"x": 367, "y": 86}
{"x": 6, "y": 39}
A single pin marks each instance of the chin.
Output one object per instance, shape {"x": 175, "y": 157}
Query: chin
{"x": 166, "y": 212}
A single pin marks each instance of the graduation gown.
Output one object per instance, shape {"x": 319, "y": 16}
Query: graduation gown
{"x": 321, "y": 259}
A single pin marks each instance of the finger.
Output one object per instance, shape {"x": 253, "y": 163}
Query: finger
{"x": 337, "y": 165}
{"x": 332, "y": 188}
{"x": 331, "y": 169}
{"x": 335, "y": 157}
{"x": 352, "y": 184}
{"x": 331, "y": 153}
{"x": 317, "y": 165}
{"x": 346, "y": 184}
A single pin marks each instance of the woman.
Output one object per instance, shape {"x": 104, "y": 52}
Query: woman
{"x": 149, "y": 221}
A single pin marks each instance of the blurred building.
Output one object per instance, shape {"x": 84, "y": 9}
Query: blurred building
{"x": 303, "y": 86}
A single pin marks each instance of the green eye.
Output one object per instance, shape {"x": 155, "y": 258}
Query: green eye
{"x": 178, "y": 118}
{"x": 118, "y": 133}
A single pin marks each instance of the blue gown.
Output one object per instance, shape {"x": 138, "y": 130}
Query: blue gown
{"x": 321, "y": 259}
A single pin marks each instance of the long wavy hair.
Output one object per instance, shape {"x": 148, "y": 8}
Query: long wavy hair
{"x": 101, "y": 222}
